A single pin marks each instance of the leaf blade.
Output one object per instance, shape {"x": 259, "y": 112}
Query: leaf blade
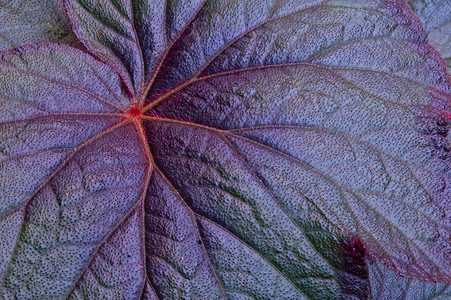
{"x": 308, "y": 154}
{"x": 276, "y": 122}
{"x": 33, "y": 21}
{"x": 437, "y": 23}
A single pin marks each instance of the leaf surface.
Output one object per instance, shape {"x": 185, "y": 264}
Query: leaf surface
{"x": 388, "y": 285}
{"x": 69, "y": 173}
{"x": 131, "y": 35}
{"x": 201, "y": 150}
{"x": 28, "y": 21}
{"x": 436, "y": 18}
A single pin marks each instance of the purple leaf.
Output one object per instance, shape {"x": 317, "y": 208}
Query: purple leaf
{"x": 436, "y": 18}
{"x": 388, "y": 285}
{"x": 226, "y": 150}
{"x": 28, "y": 21}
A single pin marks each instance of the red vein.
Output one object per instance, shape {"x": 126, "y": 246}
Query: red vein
{"x": 220, "y": 74}
{"x": 142, "y": 136}
{"x": 62, "y": 115}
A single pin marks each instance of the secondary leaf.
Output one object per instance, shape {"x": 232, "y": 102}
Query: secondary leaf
{"x": 28, "y": 21}
{"x": 436, "y": 17}
{"x": 225, "y": 149}
{"x": 388, "y": 285}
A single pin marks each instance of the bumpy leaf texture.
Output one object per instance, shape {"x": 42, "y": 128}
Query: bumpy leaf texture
{"x": 27, "y": 21}
{"x": 227, "y": 149}
{"x": 387, "y": 285}
{"x": 436, "y": 17}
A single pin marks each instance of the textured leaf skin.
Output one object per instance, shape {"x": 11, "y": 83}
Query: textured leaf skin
{"x": 28, "y": 21}
{"x": 388, "y": 285}
{"x": 117, "y": 265}
{"x": 201, "y": 150}
{"x": 67, "y": 179}
{"x": 131, "y": 35}
{"x": 436, "y": 17}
